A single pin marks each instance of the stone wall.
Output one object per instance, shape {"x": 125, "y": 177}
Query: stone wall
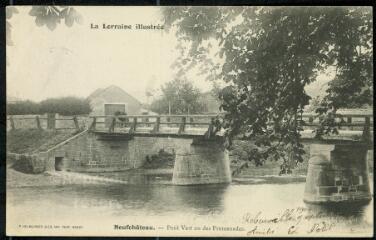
{"x": 81, "y": 153}
{"x": 196, "y": 162}
{"x": 87, "y": 153}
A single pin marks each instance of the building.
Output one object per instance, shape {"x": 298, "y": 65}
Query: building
{"x": 116, "y": 99}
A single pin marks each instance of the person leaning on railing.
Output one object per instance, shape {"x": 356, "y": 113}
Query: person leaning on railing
{"x": 121, "y": 120}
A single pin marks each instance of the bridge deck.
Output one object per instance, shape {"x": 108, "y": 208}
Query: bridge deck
{"x": 307, "y": 135}
{"x": 182, "y": 126}
{"x": 166, "y": 132}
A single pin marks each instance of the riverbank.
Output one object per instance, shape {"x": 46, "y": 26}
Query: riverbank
{"x": 17, "y": 179}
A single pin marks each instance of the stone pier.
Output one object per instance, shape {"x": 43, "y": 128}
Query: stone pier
{"x": 205, "y": 162}
{"x": 337, "y": 173}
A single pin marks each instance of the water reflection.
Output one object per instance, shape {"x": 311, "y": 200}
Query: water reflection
{"x": 123, "y": 199}
{"x": 204, "y": 199}
{"x": 161, "y": 199}
{"x": 222, "y": 203}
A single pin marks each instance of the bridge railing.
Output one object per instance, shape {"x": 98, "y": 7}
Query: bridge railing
{"x": 180, "y": 123}
{"x": 153, "y": 123}
{"x": 342, "y": 121}
{"x": 350, "y": 126}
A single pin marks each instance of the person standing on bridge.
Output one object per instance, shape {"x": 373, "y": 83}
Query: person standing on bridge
{"x": 122, "y": 120}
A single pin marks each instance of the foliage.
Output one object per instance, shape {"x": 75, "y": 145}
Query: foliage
{"x": 270, "y": 54}
{"x": 52, "y": 15}
{"x": 65, "y": 106}
{"x": 9, "y": 13}
{"x": 23, "y": 108}
{"x": 180, "y": 96}
{"x": 45, "y": 15}
{"x": 162, "y": 159}
{"x": 314, "y": 103}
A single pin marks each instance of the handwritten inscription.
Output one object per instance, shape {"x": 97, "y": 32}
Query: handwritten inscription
{"x": 295, "y": 221}
{"x": 258, "y": 231}
{"x": 321, "y": 227}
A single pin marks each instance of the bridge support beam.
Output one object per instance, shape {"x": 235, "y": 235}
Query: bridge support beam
{"x": 337, "y": 174}
{"x": 202, "y": 163}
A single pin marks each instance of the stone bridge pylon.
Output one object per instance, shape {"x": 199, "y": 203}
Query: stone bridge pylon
{"x": 202, "y": 162}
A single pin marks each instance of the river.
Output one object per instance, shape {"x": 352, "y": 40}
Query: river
{"x": 97, "y": 208}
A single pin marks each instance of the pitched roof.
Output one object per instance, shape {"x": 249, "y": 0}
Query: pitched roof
{"x": 113, "y": 92}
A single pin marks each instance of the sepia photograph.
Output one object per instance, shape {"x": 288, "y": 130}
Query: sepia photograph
{"x": 189, "y": 121}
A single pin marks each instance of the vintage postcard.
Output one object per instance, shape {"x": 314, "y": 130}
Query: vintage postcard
{"x": 189, "y": 121}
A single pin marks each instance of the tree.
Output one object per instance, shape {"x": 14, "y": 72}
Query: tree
{"x": 178, "y": 97}
{"x": 52, "y": 15}
{"x": 270, "y": 54}
{"x": 49, "y": 16}
{"x": 44, "y": 15}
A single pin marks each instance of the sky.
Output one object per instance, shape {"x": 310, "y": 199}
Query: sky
{"x": 75, "y": 61}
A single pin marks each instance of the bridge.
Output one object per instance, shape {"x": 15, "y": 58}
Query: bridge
{"x": 195, "y": 140}
{"x": 123, "y": 142}
{"x": 194, "y": 136}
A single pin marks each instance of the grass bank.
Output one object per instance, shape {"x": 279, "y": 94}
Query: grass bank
{"x": 35, "y": 140}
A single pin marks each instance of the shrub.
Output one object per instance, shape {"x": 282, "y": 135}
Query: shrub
{"x": 65, "y": 106}
{"x": 23, "y": 108}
